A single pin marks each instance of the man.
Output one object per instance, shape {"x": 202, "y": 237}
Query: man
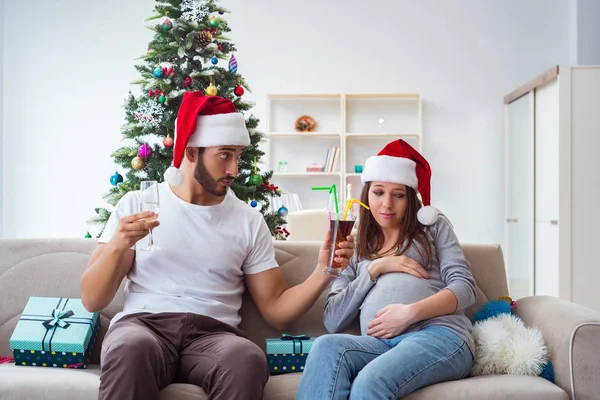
{"x": 181, "y": 312}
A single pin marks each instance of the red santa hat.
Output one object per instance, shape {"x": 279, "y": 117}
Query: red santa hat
{"x": 205, "y": 121}
{"x": 399, "y": 162}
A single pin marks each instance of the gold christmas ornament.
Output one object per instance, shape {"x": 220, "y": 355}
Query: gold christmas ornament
{"x": 203, "y": 38}
{"x": 211, "y": 91}
{"x": 137, "y": 163}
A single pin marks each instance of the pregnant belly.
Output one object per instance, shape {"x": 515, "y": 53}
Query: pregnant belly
{"x": 395, "y": 288}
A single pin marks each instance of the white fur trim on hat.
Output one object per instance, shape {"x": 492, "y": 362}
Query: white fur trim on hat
{"x": 174, "y": 176}
{"x": 220, "y": 130}
{"x": 427, "y": 215}
{"x": 390, "y": 169}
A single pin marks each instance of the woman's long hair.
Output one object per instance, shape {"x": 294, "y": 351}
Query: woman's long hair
{"x": 370, "y": 236}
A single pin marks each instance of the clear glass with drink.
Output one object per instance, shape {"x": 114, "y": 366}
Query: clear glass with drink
{"x": 340, "y": 227}
{"x": 150, "y": 202}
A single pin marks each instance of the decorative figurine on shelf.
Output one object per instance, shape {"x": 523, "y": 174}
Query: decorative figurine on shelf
{"x": 282, "y": 167}
{"x": 306, "y": 123}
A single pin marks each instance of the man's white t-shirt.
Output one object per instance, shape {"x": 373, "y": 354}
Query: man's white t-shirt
{"x": 205, "y": 251}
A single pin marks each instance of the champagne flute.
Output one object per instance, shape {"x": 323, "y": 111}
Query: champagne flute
{"x": 150, "y": 202}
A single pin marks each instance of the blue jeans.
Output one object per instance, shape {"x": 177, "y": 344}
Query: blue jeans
{"x": 341, "y": 366}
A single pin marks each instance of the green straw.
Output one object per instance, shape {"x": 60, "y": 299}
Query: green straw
{"x": 331, "y": 188}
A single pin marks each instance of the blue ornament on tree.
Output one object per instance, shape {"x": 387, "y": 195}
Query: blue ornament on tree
{"x": 116, "y": 179}
{"x": 214, "y": 60}
{"x": 158, "y": 72}
{"x": 282, "y": 212}
{"x": 253, "y": 203}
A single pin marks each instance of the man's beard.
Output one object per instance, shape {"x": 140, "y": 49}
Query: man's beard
{"x": 207, "y": 182}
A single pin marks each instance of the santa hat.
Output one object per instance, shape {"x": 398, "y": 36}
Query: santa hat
{"x": 399, "y": 163}
{"x": 205, "y": 121}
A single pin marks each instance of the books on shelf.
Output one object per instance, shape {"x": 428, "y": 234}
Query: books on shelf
{"x": 333, "y": 154}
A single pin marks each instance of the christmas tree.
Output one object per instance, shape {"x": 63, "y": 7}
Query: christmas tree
{"x": 186, "y": 53}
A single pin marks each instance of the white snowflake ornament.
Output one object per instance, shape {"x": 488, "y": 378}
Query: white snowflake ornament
{"x": 149, "y": 113}
{"x": 193, "y": 10}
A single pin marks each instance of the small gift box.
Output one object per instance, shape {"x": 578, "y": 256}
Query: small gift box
{"x": 288, "y": 353}
{"x": 54, "y": 332}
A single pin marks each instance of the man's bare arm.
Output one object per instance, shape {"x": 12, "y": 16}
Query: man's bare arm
{"x": 279, "y": 304}
{"x": 110, "y": 262}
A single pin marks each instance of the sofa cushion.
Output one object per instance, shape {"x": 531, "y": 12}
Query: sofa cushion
{"x": 493, "y": 387}
{"x": 19, "y": 383}
{"x": 53, "y": 267}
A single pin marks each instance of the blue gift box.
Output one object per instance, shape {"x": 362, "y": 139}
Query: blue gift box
{"x": 54, "y": 332}
{"x": 288, "y": 353}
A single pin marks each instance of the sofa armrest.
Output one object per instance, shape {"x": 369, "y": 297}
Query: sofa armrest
{"x": 572, "y": 335}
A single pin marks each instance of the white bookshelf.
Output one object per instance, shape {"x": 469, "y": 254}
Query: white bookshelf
{"x": 347, "y": 121}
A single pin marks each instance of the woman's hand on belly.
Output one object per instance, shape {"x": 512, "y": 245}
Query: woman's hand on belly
{"x": 392, "y": 320}
{"x": 386, "y": 265}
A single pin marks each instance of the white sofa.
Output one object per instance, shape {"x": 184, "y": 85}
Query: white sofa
{"x": 52, "y": 267}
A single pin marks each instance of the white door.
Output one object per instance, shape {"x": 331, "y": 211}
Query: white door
{"x": 547, "y": 193}
{"x": 520, "y": 196}
{"x": 546, "y": 259}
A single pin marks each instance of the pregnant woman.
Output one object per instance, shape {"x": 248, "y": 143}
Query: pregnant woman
{"x": 410, "y": 283}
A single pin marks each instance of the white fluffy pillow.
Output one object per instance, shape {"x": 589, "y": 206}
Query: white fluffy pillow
{"x": 504, "y": 345}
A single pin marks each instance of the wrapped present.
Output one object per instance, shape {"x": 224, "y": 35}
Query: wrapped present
{"x": 54, "y": 332}
{"x": 288, "y": 353}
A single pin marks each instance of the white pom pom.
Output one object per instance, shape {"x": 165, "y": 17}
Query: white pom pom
{"x": 427, "y": 215}
{"x": 174, "y": 176}
{"x": 504, "y": 345}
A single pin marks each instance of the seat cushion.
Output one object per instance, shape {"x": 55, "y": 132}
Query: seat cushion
{"x": 493, "y": 387}
{"x": 21, "y": 383}
{"x": 24, "y": 383}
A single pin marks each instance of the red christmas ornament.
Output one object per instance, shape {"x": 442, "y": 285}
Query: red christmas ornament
{"x": 239, "y": 91}
{"x": 168, "y": 142}
{"x": 188, "y": 82}
{"x": 269, "y": 186}
{"x": 213, "y": 30}
{"x": 220, "y": 47}
{"x": 282, "y": 231}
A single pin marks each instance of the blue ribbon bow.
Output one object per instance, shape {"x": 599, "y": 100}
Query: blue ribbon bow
{"x": 57, "y": 319}
{"x": 293, "y": 338}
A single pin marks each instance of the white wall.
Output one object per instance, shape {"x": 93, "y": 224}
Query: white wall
{"x": 70, "y": 65}
{"x": 588, "y": 32}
